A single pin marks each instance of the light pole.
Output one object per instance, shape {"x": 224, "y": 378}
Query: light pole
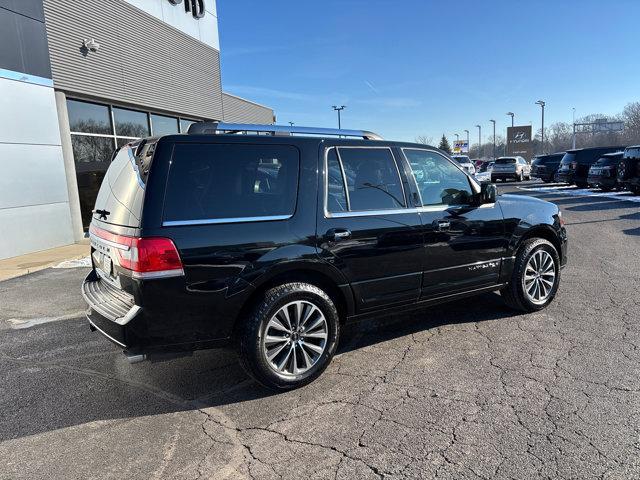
{"x": 574, "y": 128}
{"x": 479, "y": 141}
{"x": 339, "y": 109}
{"x": 511, "y": 114}
{"x": 457, "y": 136}
{"x": 467, "y": 132}
{"x": 494, "y": 138}
{"x": 542, "y": 103}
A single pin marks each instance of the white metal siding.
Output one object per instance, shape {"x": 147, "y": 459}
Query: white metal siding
{"x": 34, "y": 200}
{"x": 239, "y": 110}
{"x": 141, "y": 60}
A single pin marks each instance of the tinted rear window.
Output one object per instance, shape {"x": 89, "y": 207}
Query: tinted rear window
{"x": 568, "y": 158}
{"x": 217, "y": 182}
{"x": 122, "y": 190}
{"x": 505, "y": 161}
{"x": 612, "y": 160}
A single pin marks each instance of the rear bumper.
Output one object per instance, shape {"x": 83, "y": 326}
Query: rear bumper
{"x": 111, "y": 311}
{"x": 601, "y": 181}
{"x": 542, "y": 175}
{"x": 565, "y": 177}
{"x": 503, "y": 175}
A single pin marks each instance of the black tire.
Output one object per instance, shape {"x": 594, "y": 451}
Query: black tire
{"x": 251, "y": 334}
{"x": 520, "y": 177}
{"x": 635, "y": 189}
{"x": 514, "y": 293}
{"x": 582, "y": 185}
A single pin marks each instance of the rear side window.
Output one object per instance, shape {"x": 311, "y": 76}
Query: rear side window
{"x": 217, "y": 182}
{"x": 371, "y": 176}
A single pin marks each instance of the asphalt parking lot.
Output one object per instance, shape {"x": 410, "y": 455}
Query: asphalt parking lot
{"x": 465, "y": 390}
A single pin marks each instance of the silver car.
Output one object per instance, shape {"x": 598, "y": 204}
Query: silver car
{"x": 516, "y": 168}
{"x": 465, "y": 163}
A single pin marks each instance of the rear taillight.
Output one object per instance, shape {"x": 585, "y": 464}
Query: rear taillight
{"x": 573, "y": 165}
{"x": 152, "y": 257}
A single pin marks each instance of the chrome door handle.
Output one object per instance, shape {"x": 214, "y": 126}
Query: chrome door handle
{"x": 442, "y": 225}
{"x": 336, "y": 234}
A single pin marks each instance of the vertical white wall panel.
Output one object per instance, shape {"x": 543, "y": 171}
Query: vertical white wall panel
{"x": 27, "y": 114}
{"x": 34, "y": 200}
{"x": 34, "y": 228}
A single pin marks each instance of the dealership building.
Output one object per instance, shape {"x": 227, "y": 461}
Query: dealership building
{"x": 79, "y": 78}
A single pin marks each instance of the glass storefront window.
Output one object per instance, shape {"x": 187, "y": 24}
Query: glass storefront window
{"x": 93, "y": 141}
{"x": 130, "y": 123}
{"x": 185, "y": 124}
{"x": 89, "y": 117}
{"x": 161, "y": 125}
{"x": 92, "y": 158}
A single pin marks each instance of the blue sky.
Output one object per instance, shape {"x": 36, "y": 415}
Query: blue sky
{"x": 426, "y": 67}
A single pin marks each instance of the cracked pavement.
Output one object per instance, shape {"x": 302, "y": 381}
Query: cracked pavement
{"x": 469, "y": 390}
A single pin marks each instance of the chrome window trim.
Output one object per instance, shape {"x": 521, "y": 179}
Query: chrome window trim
{"x": 360, "y": 213}
{"x": 216, "y": 221}
{"x": 372, "y": 213}
{"x": 472, "y": 182}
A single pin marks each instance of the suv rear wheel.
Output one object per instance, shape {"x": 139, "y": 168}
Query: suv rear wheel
{"x": 291, "y": 336}
{"x": 535, "y": 278}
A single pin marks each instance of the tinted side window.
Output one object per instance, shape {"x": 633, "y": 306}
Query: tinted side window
{"x": 373, "y": 181}
{"x": 336, "y": 194}
{"x": 439, "y": 181}
{"x": 215, "y": 181}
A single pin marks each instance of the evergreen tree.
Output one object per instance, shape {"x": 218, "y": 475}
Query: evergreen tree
{"x": 444, "y": 145}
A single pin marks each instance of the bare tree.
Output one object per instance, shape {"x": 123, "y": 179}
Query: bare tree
{"x": 424, "y": 139}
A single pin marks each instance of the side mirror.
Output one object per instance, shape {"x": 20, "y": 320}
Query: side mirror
{"x": 488, "y": 192}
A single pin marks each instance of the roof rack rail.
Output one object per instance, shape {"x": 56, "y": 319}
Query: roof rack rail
{"x": 220, "y": 127}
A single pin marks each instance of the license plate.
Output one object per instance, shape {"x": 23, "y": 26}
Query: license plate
{"x": 103, "y": 262}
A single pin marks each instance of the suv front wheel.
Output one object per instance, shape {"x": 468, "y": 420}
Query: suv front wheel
{"x": 291, "y": 336}
{"x": 535, "y": 278}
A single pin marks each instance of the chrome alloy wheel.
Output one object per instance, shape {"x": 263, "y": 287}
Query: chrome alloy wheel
{"x": 295, "y": 338}
{"x": 539, "y": 277}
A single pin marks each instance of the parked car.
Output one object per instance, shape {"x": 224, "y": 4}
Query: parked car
{"x": 604, "y": 173}
{"x": 629, "y": 169}
{"x": 484, "y": 166}
{"x": 515, "y": 168}
{"x": 193, "y": 246}
{"x": 544, "y": 167}
{"x": 466, "y": 163}
{"x": 574, "y": 167}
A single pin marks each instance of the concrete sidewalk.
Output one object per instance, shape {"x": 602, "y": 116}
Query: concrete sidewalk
{"x": 32, "y": 262}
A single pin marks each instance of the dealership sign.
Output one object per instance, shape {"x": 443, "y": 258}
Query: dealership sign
{"x": 195, "y": 7}
{"x": 460, "y": 146}
{"x": 519, "y": 141}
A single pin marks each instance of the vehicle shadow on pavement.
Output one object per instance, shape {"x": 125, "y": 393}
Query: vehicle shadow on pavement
{"x": 65, "y": 376}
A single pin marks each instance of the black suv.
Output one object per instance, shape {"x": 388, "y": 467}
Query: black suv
{"x": 574, "y": 167}
{"x": 629, "y": 169}
{"x": 604, "y": 173}
{"x": 545, "y": 167}
{"x": 272, "y": 242}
